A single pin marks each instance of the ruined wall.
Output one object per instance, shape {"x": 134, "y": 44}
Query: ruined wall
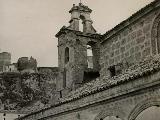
{"x": 5, "y": 59}
{"x": 28, "y": 91}
{"x": 26, "y": 64}
{"x": 129, "y": 42}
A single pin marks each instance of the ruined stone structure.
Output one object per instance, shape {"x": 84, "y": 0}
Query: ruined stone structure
{"x": 5, "y": 59}
{"x": 25, "y": 64}
{"x": 125, "y": 78}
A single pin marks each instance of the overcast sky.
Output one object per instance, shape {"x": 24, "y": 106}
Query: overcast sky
{"x": 28, "y": 27}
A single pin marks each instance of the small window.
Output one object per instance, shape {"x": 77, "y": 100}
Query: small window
{"x": 116, "y": 69}
{"x": 112, "y": 71}
{"x": 67, "y": 55}
{"x": 60, "y": 93}
{"x": 89, "y": 56}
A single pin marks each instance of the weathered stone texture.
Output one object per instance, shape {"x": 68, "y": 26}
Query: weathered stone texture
{"x": 121, "y": 100}
{"x": 131, "y": 44}
{"x": 129, "y": 70}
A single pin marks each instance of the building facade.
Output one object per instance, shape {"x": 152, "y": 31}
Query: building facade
{"x": 124, "y": 81}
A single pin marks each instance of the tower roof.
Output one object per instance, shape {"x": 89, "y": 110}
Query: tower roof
{"x": 80, "y": 7}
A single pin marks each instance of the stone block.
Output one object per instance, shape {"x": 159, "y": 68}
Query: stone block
{"x": 132, "y": 50}
{"x": 133, "y": 35}
{"x": 122, "y": 49}
{"x": 146, "y": 52}
{"x": 123, "y": 41}
{"x": 139, "y": 33}
{"x": 137, "y": 48}
{"x": 111, "y": 61}
{"x": 140, "y": 40}
{"x": 127, "y": 54}
{"x": 117, "y": 52}
{"x": 146, "y": 28}
{"x": 112, "y": 54}
{"x": 138, "y": 56}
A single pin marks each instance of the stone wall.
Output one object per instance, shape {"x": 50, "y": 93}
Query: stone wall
{"x": 124, "y": 99}
{"x": 128, "y": 42}
{"x": 126, "y": 50}
{"x": 28, "y": 91}
{"x": 71, "y": 73}
{"x": 26, "y": 64}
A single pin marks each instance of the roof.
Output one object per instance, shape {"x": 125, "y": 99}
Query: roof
{"x": 144, "y": 68}
{"x": 81, "y": 7}
{"x": 65, "y": 30}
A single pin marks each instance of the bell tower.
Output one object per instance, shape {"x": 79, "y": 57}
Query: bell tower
{"x": 82, "y": 13}
{"x": 72, "y": 49}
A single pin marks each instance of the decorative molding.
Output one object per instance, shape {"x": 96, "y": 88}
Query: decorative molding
{"x": 142, "y": 106}
{"x": 154, "y": 35}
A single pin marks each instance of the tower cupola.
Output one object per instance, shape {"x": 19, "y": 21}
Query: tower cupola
{"x": 81, "y": 13}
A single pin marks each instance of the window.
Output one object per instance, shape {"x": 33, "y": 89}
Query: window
{"x": 112, "y": 71}
{"x": 60, "y": 94}
{"x": 89, "y": 56}
{"x": 116, "y": 69}
{"x": 66, "y": 55}
{"x": 81, "y": 24}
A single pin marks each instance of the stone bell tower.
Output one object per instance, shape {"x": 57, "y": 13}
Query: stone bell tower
{"x": 82, "y": 13}
{"x": 72, "y": 49}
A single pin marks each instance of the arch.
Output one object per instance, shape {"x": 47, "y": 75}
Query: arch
{"x": 82, "y": 23}
{"x": 142, "y": 106}
{"x": 151, "y": 113}
{"x": 89, "y": 56}
{"x": 66, "y": 55}
{"x": 155, "y": 36}
{"x": 93, "y": 50}
{"x": 117, "y": 112}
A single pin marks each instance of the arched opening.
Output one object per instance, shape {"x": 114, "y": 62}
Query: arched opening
{"x": 155, "y": 36}
{"x": 89, "y": 56}
{"x": 151, "y": 113}
{"x": 81, "y": 26}
{"x": 66, "y": 55}
{"x": 81, "y": 23}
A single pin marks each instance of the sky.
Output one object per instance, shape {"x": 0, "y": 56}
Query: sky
{"x": 28, "y": 27}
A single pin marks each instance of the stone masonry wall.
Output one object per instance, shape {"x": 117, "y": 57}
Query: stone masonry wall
{"x": 71, "y": 73}
{"x": 125, "y": 101}
{"x": 129, "y": 45}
